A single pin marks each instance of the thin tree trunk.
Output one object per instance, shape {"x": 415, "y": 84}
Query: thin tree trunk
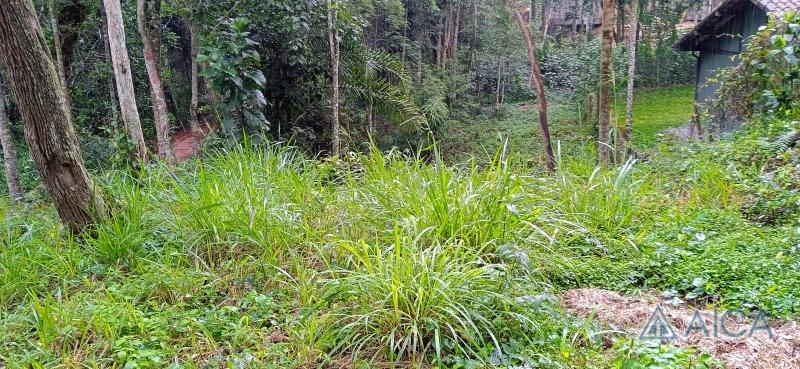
{"x": 9, "y": 151}
{"x": 606, "y": 85}
{"x": 541, "y": 95}
{"x": 112, "y": 93}
{"x": 497, "y": 89}
{"x": 455, "y": 33}
{"x": 148, "y": 15}
{"x": 60, "y": 67}
{"x": 48, "y": 126}
{"x": 370, "y": 120}
{"x": 575, "y": 15}
{"x": 124, "y": 80}
{"x": 503, "y": 84}
{"x": 473, "y": 43}
{"x": 333, "y": 40}
{"x": 195, "y": 82}
{"x": 627, "y": 134}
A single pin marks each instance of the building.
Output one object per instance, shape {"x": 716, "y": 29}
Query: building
{"x": 723, "y": 34}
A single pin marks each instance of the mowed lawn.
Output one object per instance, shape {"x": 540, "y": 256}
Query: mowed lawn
{"x": 657, "y": 109}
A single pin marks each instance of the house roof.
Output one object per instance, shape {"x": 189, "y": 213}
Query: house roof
{"x": 725, "y": 12}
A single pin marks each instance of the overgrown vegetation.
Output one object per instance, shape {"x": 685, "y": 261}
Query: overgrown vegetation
{"x": 436, "y": 239}
{"x": 260, "y": 256}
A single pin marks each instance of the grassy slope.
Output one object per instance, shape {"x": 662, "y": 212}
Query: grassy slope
{"x": 655, "y": 110}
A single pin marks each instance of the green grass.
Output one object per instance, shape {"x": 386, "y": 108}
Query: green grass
{"x": 516, "y": 127}
{"x": 655, "y": 110}
{"x": 259, "y": 257}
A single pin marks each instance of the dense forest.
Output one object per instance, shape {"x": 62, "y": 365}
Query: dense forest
{"x": 393, "y": 184}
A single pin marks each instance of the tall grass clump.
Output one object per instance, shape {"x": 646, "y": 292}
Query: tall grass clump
{"x": 245, "y": 200}
{"x": 414, "y": 303}
{"x": 468, "y": 203}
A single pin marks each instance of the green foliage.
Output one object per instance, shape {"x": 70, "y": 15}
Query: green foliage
{"x": 234, "y": 71}
{"x": 764, "y": 82}
{"x": 633, "y": 354}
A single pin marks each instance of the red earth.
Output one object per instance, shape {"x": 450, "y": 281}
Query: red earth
{"x": 183, "y": 144}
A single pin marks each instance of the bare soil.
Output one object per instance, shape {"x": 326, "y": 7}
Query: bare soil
{"x": 183, "y": 143}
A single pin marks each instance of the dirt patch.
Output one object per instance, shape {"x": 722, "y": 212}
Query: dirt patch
{"x": 183, "y": 142}
{"x": 631, "y": 315}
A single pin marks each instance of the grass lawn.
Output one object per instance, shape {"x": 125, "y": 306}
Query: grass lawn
{"x": 655, "y": 110}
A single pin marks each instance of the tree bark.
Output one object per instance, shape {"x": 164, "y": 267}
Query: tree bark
{"x": 9, "y": 151}
{"x": 370, "y": 111}
{"x": 333, "y": 40}
{"x": 195, "y": 82}
{"x": 124, "y": 80}
{"x": 541, "y": 95}
{"x": 60, "y": 67}
{"x": 604, "y": 144}
{"x": 497, "y": 86}
{"x": 148, "y": 15}
{"x": 112, "y": 93}
{"x": 48, "y": 126}
{"x": 627, "y": 133}
{"x": 456, "y": 31}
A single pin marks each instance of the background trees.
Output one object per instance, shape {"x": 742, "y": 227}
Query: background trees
{"x": 408, "y": 70}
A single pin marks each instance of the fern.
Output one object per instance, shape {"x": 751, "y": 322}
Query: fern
{"x": 784, "y": 142}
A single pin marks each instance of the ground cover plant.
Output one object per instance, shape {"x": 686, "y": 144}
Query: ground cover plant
{"x": 259, "y": 256}
{"x": 380, "y": 184}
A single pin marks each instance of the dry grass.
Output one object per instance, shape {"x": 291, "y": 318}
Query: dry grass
{"x": 630, "y": 314}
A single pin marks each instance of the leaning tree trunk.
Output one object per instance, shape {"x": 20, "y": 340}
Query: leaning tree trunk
{"x": 627, "y": 133}
{"x": 123, "y": 79}
{"x": 195, "y": 82}
{"x": 536, "y": 75}
{"x": 48, "y": 126}
{"x": 148, "y": 15}
{"x": 9, "y": 151}
{"x": 333, "y": 39}
{"x": 604, "y": 143}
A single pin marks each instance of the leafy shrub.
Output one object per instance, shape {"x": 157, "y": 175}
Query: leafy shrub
{"x": 234, "y": 71}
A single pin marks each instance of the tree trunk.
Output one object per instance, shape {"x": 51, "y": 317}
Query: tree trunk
{"x": 370, "y": 120}
{"x": 627, "y": 133}
{"x": 112, "y": 93}
{"x": 333, "y": 40}
{"x": 604, "y": 144}
{"x": 9, "y": 151}
{"x": 123, "y": 79}
{"x": 541, "y": 95}
{"x": 575, "y": 14}
{"x": 497, "y": 87}
{"x": 456, "y": 31}
{"x": 48, "y": 126}
{"x": 148, "y": 15}
{"x": 195, "y": 82}
{"x": 473, "y": 43}
{"x": 60, "y": 67}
